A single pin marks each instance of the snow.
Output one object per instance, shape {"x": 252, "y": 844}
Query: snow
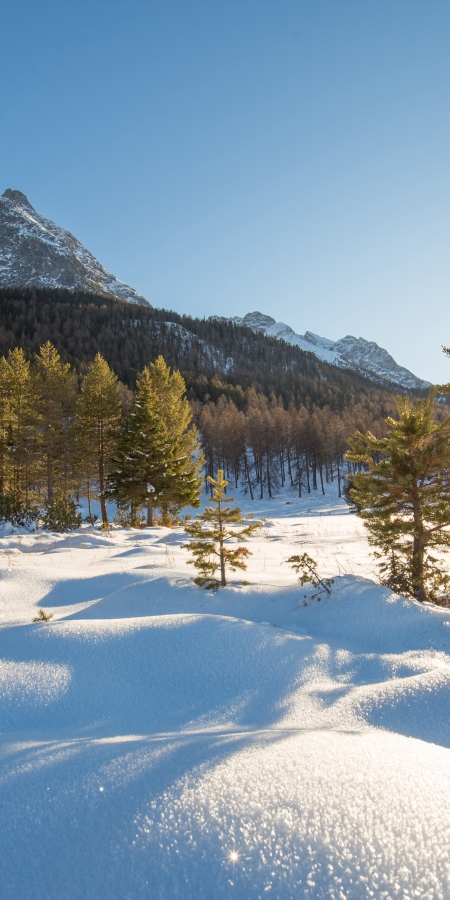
{"x": 57, "y": 258}
{"x": 161, "y": 741}
{"x": 349, "y": 352}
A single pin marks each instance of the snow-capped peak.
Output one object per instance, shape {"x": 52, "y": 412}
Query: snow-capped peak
{"x": 36, "y": 252}
{"x": 358, "y": 354}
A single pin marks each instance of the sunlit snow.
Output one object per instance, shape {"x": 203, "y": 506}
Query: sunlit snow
{"x": 162, "y": 742}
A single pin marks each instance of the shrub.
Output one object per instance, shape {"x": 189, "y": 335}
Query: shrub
{"x": 61, "y": 516}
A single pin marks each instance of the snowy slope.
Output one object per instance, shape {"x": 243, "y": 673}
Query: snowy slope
{"x": 35, "y": 251}
{"x": 159, "y": 741}
{"x": 362, "y": 356}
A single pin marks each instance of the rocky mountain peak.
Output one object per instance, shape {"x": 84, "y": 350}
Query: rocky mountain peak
{"x": 257, "y": 321}
{"x": 357, "y": 354}
{"x": 17, "y": 198}
{"x": 34, "y": 252}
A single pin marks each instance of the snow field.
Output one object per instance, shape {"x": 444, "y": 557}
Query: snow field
{"x": 151, "y": 730}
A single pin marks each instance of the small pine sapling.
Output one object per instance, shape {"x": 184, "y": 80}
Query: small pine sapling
{"x": 43, "y": 616}
{"x": 306, "y": 568}
{"x": 209, "y": 532}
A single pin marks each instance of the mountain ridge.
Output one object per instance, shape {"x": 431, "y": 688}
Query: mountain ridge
{"x": 34, "y": 252}
{"x": 362, "y": 356}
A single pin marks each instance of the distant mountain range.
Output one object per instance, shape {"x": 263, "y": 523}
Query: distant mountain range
{"x": 34, "y": 252}
{"x": 357, "y": 354}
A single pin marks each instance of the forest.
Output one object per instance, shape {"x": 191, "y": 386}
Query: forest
{"x": 215, "y": 356}
{"x": 67, "y": 431}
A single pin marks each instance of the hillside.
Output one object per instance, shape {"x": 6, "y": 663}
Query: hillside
{"x": 349, "y": 352}
{"x": 216, "y": 356}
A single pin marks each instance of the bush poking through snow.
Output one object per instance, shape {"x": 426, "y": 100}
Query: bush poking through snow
{"x": 16, "y": 511}
{"x": 61, "y": 516}
{"x": 306, "y": 568}
{"x": 209, "y": 532}
{"x": 42, "y": 616}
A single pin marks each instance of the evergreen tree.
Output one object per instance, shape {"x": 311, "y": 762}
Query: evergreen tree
{"x": 21, "y": 414}
{"x": 54, "y": 385}
{"x": 403, "y": 496}
{"x": 4, "y": 425}
{"x": 181, "y": 483}
{"x": 158, "y": 458}
{"x": 16, "y": 437}
{"x": 143, "y": 459}
{"x": 211, "y": 530}
{"x": 98, "y": 414}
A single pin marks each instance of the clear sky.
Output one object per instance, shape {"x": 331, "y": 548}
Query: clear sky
{"x": 221, "y": 157}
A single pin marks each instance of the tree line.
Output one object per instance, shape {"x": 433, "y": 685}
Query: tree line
{"x": 215, "y": 355}
{"x": 264, "y": 446}
{"x": 61, "y": 437}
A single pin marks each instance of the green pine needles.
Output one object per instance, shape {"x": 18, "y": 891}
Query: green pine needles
{"x": 158, "y": 459}
{"x": 211, "y": 531}
{"x": 306, "y": 568}
{"x": 403, "y": 496}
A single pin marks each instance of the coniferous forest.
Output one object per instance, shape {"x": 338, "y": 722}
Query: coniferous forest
{"x": 110, "y": 400}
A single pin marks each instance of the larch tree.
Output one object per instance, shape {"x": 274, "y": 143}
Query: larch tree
{"x": 21, "y": 414}
{"x": 211, "y": 530}
{"x": 403, "y": 496}
{"x": 4, "y": 425}
{"x": 54, "y": 388}
{"x": 97, "y": 420}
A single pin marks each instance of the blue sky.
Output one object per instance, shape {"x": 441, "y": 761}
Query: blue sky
{"x": 291, "y": 157}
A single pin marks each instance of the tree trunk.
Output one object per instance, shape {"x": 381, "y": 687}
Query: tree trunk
{"x": 101, "y": 480}
{"x": 149, "y": 511}
{"x": 321, "y": 478}
{"x": 223, "y": 580}
{"x": 248, "y": 476}
{"x": 49, "y": 479}
{"x": 89, "y": 500}
{"x": 417, "y": 568}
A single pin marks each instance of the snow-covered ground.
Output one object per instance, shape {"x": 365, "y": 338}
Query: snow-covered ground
{"x": 162, "y": 742}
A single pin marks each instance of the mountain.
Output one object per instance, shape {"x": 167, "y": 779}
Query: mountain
{"x": 357, "y": 354}
{"x": 34, "y": 252}
{"x": 216, "y": 356}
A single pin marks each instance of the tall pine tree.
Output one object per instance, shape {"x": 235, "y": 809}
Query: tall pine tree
{"x": 181, "y": 485}
{"x": 54, "y": 386}
{"x": 142, "y": 461}
{"x": 158, "y": 459}
{"x": 97, "y": 415}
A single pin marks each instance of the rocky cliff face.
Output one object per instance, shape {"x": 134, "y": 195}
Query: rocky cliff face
{"x": 36, "y": 252}
{"x": 357, "y": 354}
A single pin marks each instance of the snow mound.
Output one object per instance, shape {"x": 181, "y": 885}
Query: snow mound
{"x": 160, "y": 741}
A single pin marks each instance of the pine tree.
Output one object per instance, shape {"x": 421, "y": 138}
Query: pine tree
{"x": 211, "y": 530}
{"x": 21, "y": 414}
{"x": 4, "y": 425}
{"x": 158, "y": 458}
{"x": 98, "y": 414}
{"x": 181, "y": 484}
{"x": 143, "y": 459}
{"x": 403, "y": 496}
{"x": 54, "y": 385}
{"x": 16, "y": 437}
